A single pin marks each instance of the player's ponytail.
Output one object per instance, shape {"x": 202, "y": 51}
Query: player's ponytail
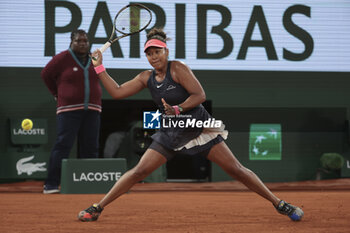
{"x": 157, "y": 33}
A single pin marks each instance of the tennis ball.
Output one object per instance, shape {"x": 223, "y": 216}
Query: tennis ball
{"x": 27, "y": 124}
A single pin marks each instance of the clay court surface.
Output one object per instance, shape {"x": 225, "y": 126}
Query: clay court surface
{"x": 179, "y": 207}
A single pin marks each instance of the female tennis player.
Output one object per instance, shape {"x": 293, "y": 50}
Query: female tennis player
{"x": 176, "y": 91}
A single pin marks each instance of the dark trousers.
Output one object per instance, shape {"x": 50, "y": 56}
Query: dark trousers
{"x": 81, "y": 124}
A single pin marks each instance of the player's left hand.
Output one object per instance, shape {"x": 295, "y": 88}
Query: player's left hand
{"x": 168, "y": 109}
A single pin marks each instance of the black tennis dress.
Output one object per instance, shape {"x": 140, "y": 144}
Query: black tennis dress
{"x": 187, "y": 140}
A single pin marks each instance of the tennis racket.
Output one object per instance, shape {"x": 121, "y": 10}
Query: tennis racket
{"x": 130, "y": 20}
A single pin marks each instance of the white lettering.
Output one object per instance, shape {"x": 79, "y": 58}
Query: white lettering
{"x": 164, "y": 124}
{"x": 74, "y": 177}
{"x": 218, "y": 124}
{"x": 149, "y": 125}
{"x": 83, "y": 177}
{"x": 199, "y": 124}
{"x": 111, "y": 175}
{"x": 105, "y": 176}
{"x": 181, "y": 124}
{"x": 97, "y": 176}
{"x": 191, "y": 123}
{"x": 206, "y": 124}
{"x": 29, "y": 132}
{"x": 174, "y": 123}
{"x": 118, "y": 175}
{"x": 89, "y": 176}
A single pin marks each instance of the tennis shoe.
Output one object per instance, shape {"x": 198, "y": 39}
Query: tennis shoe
{"x": 50, "y": 189}
{"x": 90, "y": 214}
{"x": 293, "y": 212}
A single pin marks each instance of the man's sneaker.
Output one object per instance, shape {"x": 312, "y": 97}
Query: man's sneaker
{"x": 49, "y": 189}
{"x": 293, "y": 212}
{"x": 90, "y": 214}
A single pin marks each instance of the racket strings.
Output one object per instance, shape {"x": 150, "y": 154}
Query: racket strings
{"x": 132, "y": 19}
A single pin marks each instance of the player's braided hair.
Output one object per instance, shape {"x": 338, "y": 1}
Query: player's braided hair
{"x": 157, "y": 33}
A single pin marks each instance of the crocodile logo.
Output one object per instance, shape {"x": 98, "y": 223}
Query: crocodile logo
{"x": 29, "y": 168}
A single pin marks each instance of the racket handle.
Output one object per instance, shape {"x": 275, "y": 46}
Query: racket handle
{"x": 105, "y": 46}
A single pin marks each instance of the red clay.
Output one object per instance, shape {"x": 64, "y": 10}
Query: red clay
{"x": 210, "y": 210}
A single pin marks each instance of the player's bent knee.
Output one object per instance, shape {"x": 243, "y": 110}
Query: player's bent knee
{"x": 139, "y": 173}
{"x": 237, "y": 171}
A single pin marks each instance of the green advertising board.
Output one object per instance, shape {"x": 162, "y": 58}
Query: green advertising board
{"x": 91, "y": 175}
{"x": 36, "y": 135}
{"x": 265, "y": 142}
{"x": 345, "y": 170}
{"x": 26, "y": 164}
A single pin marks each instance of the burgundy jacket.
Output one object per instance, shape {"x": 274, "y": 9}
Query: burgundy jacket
{"x": 75, "y": 86}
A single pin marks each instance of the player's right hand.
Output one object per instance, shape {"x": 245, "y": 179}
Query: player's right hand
{"x": 96, "y": 57}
